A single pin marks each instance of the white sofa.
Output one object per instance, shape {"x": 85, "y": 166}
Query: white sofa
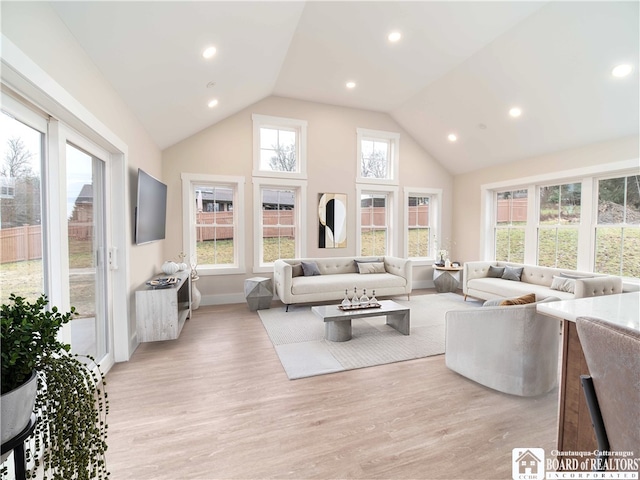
{"x": 534, "y": 279}
{"x": 338, "y": 274}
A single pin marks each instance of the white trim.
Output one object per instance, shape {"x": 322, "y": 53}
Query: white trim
{"x": 23, "y": 75}
{"x": 392, "y": 215}
{"x": 300, "y": 187}
{"x": 435, "y": 221}
{"x": 189, "y": 230}
{"x": 300, "y": 126}
{"x": 565, "y": 175}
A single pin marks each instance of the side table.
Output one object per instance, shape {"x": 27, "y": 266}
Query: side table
{"x": 446, "y": 279}
{"x": 16, "y": 444}
{"x": 259, "y": 293}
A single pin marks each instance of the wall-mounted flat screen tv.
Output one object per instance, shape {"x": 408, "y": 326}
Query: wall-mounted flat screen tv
{"x": 151, "y": 209}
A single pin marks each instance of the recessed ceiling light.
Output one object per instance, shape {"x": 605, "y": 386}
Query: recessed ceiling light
{"x": 452, "y": 137}
{"x": 212, "y": 103}
{"x": 351, "y": 84}
{"x": 621, "y": 70}
{"x": 394, "y": 36}
{"x": 515, "y": 112}
{"x": 209, "y": 52}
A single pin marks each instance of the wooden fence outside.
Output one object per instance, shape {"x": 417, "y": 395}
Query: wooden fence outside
{"x": 18, "y": 244}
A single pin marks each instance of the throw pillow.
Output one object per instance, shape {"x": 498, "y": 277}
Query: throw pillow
{"x": 371, "y": 267}
{"x": 494, "y": 302}
{"x": 563, "y": 284}
{"x": 523, "y": 300}
{"x": 297, "y": 270}
{"x": 512, "y": 273}
{"x": 495, "y": 272}
{"x": 310, "y": 269}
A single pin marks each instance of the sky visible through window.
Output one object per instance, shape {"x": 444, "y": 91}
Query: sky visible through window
{"x": 78, "y": 169}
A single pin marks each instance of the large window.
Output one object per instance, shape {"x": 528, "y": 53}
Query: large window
{"x": 559, "y": 220}
{"x": 421, "y": 223}
{"x": 585, "y": 219}
{"x": 617, "y": 230}
{"x": 279, "y": 147}
{"x": 378, "y": 154}
{"x": 509, "y": 229}
{"x": 213, "y": 212}
{"x": 280, "y": 227}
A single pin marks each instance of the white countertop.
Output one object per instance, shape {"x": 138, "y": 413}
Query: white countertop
{"x": 621, "y": 309}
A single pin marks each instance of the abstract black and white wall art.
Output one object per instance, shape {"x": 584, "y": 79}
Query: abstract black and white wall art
{"x": 332, "y": 220}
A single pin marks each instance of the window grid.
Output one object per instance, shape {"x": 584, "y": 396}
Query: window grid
{"x": 278, "y": 224}
{"x": 374, "y": 224}
{"x": 215, "y": 225}
{"x": 558, "y": 225}
{"x": 418, "y": 227}
{"x": 510, "y": 225}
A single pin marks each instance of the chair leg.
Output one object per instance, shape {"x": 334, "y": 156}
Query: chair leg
{"x": 465, "y": 297}
{"x": 596, "y": 421}
{"x": 287, "y": 308}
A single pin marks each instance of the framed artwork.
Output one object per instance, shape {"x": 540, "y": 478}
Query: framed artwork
{"x": 332, "y": 220}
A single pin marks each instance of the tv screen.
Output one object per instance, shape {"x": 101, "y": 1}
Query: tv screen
{"x": 151, "y": 209}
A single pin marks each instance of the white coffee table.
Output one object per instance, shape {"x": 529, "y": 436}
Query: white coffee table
{"x": 337, "y": 327}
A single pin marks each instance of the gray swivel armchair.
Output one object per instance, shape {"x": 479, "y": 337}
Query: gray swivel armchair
{"x": 512, "y": 349}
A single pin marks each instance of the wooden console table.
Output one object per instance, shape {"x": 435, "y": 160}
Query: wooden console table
{"x": 575, "y": 432}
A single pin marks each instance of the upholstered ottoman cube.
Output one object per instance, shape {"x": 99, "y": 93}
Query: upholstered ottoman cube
{"x": 259, "y": 292}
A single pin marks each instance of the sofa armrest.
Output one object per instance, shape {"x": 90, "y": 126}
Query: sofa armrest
{"x": 401, "y": 267}
{"x": 473, "y": 270}
{"x": 598, "y": 286}
{"x": 282, "y": 278}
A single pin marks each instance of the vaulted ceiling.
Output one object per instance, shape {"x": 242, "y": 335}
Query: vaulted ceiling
{"x": 459, "y": 67}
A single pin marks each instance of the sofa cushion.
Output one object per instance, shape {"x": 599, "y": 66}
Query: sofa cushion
{"x": 523, "y": 300}
{"x": 310, "y": 269}
{"x": 371, "y": 267}
{"x": 512, "y": 273}
{"x": 497, "y": 287}
{"x": 495, "y": 272}
{"x": 338, "y": 283}
{"x": 563, "y": 284}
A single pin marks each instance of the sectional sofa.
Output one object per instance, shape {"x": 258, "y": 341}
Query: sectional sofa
{"x": 486, "y": 280}
{"x": 306, "y": 280}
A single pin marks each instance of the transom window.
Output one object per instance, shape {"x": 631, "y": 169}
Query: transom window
{"x": 378, "y": 154}
{"x": 279, "y": 147}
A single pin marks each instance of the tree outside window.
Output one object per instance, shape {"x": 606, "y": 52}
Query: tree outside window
{"x": 278, "y": 151}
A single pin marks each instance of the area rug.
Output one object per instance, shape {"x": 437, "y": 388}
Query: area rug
{"x": 298, "y": 337}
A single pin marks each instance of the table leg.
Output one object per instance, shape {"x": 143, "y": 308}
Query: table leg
{"x": 339, "y": 331}
{"x": 400, "y": 321}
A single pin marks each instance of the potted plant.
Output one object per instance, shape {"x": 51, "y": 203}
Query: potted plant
{"x": 70, "y": 401}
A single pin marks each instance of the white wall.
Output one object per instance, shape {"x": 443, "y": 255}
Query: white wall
{"x": 226, "y": 149}
{"x": 467, "y": 197}
{"x": 40, "y": 34}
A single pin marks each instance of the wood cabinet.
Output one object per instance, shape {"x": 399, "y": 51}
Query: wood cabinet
{"x": 162, "y": 312}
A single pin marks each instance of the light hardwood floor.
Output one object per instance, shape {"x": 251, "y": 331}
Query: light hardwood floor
{"x": 216, "y": 404}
